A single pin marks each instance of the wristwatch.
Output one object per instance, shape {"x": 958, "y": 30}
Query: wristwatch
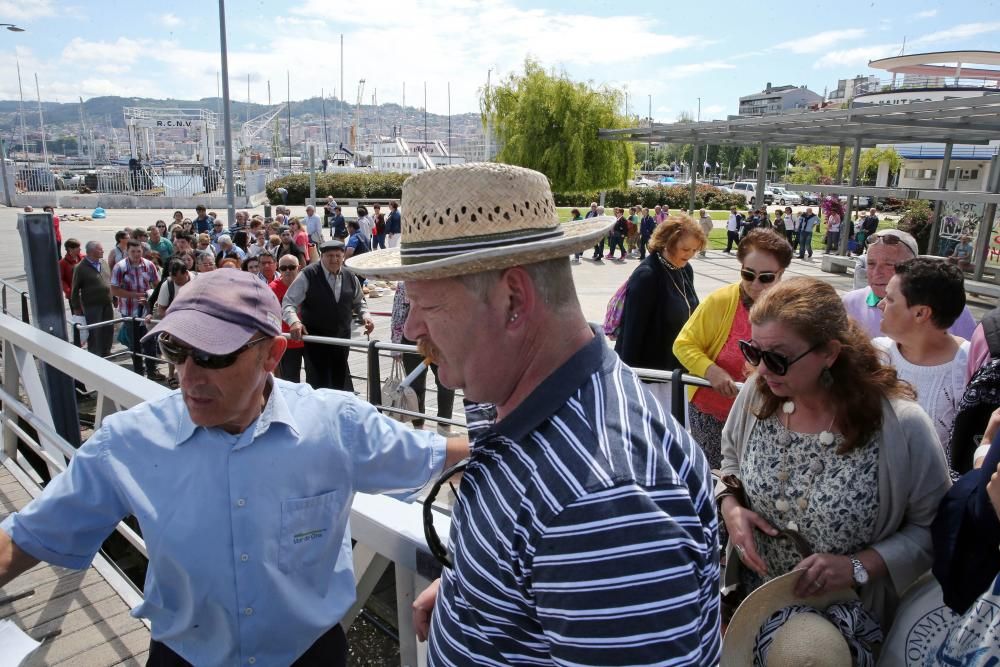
{"x": 860, "y": 573}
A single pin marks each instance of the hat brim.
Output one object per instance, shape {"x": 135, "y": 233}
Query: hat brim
{"x": 576, "y": 236}
{"x": 737, "y": 645}
{"x": 192, "y": 327}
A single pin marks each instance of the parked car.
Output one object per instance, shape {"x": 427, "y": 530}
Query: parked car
{"x": 786, "y": 197}
{"x": 809, "y": 198}
{"x": 749, "y": 192}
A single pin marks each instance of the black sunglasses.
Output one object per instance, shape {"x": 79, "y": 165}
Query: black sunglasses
{"x": 776, "y": 362}
{"x": 287, "y": 268}
{"x": 178, "y": 354}
{"x": 765, "y": 277}
{"x": 434, "y": 543}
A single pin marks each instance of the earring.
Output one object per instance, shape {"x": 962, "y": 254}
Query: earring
{"x": 513, "y": 317}
{"x": 826, "y": 378}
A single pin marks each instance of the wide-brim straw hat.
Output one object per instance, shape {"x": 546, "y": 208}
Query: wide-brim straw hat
{"x": 741, "y": 635}
{"x": 477, "y": 217}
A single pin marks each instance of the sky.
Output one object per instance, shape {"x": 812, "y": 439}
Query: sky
{"x": 665, "y": 55}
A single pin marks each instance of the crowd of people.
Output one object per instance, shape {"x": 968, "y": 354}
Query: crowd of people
{"x": 818, "y": 476}
{"x": 148, "y": 267}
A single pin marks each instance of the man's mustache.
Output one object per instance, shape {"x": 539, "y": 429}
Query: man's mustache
{"x": 428, "y": 350}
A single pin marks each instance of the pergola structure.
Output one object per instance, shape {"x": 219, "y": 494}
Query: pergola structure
{"x": 969, "y": 120}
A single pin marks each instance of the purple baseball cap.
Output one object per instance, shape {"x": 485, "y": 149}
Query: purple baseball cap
{"x": 220, "y": 311}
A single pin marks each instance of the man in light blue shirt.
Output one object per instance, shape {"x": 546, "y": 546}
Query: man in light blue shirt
{"x": 242, "y": 485}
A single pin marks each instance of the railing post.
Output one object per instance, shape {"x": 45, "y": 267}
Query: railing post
{"x": 133, "y": 328}
{"x": 24, "y": 308}
{"x": 374, "y": 375}
{"x": 76, "y": 335}
{"x": 3, "y": 297}
{"x": 677, "y": 397}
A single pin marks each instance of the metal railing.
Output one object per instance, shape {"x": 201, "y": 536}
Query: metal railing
{"x": 925, "y": 83}
{"x": 386, "y": 531}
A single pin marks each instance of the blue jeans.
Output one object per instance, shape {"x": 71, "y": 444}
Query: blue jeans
{"x": 378, "y": 241}
{"x": 805, "y": 244}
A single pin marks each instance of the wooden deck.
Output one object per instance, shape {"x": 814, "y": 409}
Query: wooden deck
{"x": 85, "y": 621}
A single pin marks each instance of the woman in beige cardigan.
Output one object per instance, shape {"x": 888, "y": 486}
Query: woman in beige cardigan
{"x": 826, "y": 443}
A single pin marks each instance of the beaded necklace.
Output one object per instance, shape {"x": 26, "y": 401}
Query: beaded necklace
{"x": 826, "y": 438}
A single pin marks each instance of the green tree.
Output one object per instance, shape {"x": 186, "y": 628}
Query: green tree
{"x": 545, "y": 121}
{"x": 870, "y": 159}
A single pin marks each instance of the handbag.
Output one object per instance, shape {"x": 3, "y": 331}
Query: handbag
{"x": 396, "y": 393}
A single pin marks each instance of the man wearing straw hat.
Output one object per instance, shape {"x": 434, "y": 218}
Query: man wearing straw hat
{"x": 584, "y": 530}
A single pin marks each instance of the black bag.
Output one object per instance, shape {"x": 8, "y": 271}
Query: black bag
{"x": 981, "y": 398}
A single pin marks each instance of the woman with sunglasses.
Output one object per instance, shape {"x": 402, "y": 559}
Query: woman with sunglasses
{"x": 825, "y": 444}
{"x": 708, "y": 345}
{"x": 659, "y": 299}
{"x": 290, "y": 366}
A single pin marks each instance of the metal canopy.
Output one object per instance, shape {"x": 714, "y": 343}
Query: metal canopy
{"x": 970, "y": 120}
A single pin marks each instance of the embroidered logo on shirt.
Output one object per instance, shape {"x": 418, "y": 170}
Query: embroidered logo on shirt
{"x": 308, "y": 535}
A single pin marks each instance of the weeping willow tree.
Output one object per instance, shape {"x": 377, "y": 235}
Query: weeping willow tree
{"x": 546, "y": 122}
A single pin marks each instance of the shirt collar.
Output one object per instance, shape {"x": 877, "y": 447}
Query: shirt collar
{"x": 553, "y": 393}
{"x": 276, "y": 410}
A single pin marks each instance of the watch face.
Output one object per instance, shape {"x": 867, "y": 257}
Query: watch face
{"x": 860, "y": 573}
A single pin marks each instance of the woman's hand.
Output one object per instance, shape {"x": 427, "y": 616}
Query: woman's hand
{"x": 721, "y": 381}
{"x": 993, "y": 489}
{"x": 992, "y": 427}
{"x": 741, "y": 522}
{"x": 822, "y": 573}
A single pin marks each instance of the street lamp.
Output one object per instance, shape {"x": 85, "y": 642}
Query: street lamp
{"x": 12, "y": 27}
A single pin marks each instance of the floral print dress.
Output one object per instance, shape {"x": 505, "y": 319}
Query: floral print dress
{"x": 839, "y": 494}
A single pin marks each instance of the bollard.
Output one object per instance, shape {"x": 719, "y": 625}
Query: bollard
{"x": 267, "y": 211}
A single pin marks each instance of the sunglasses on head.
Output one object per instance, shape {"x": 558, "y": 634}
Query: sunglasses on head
{"x": 888, "y": 239}
{"x": 437, "y": 547}
{"x": 776, "y": 362}
{"x": 765, "y": 277}
{"x": 177, "y": 354}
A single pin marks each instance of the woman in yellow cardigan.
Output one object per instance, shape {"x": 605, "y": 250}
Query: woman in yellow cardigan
{"x": 708, "y": 345}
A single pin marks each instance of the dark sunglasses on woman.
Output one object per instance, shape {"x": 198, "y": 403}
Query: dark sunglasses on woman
{"x": 765, "y": 277}
{"x": 776, "y": 362}
{"x": 177, "y": 354}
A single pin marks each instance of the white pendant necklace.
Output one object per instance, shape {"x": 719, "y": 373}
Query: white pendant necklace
{"x": 782, "y": 504}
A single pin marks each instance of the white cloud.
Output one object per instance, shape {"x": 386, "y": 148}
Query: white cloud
{"x": 13, "y": 11}
{"x": 855, "y": 57}
{"x": 170, "y": 20}
{"x": 821, "y": 41}
{"x": 962, "y": 31}
{"x": 926, "y": 14}
{"x": 691, "y": 69}
{"x": 713, "y": 110}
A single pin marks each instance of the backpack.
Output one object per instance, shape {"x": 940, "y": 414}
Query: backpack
{"x": 362, "y": 246}
{"x": 613, "y": 315}
{"x": 981, "y": 398}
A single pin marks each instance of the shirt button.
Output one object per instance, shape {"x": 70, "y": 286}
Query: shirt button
{"x": 244, "y": 558}
{"x": 241, "y": 502}
{"x": 248, "y": 611}
{"x": 252, "y": 660}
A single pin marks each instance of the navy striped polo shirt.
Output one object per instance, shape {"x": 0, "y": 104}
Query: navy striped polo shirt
{"x": 584, "y": 533}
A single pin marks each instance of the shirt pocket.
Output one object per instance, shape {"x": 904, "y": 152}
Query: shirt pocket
{"x": 308, "y": 534}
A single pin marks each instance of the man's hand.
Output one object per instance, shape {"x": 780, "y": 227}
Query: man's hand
{"x": 297, "y": 331}
{"x": 14, "y": 561}
{"x": 369, "y": 325}
{"x": 423, "y": 607}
